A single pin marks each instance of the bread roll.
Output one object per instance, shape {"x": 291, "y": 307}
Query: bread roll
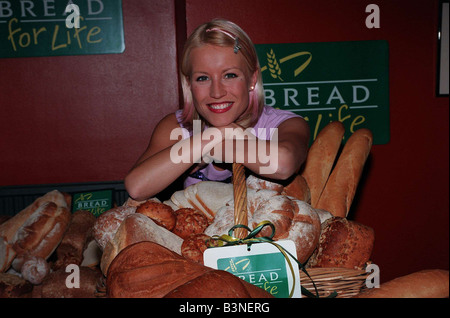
{"x": 35, "y": 269}
{"x": 423, "y": 284}
{"x": 161, "y": 213}
{"x": 195, "y": 245}
{"x": 343, "y": 243}
{"x": 188, "y": 222}
{"x": 321, "y": 157}
{"x": 341, "y": 186}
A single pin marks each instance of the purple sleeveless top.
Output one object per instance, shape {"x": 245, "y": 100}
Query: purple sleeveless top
{"x": 270, "y": 118}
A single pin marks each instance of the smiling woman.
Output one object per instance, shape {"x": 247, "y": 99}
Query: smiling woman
{"x": 223, "y": 93}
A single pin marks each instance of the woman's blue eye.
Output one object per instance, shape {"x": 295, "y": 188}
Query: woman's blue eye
{"x": 230, "y": 75}
{"x": 202, "y": 78}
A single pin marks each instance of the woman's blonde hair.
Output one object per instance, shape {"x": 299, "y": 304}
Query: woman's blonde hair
{"x": 222, "y": 33}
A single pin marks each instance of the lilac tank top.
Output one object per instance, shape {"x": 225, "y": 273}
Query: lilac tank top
{"x": 270, "y": 118}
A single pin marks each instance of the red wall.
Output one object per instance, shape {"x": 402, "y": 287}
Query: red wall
{"x": 87, "y": 118}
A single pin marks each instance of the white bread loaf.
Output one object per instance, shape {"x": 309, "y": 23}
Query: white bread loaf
{"x": 137, "y": 228}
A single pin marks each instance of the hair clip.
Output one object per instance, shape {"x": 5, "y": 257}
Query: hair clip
{"x": 237, "y": 47}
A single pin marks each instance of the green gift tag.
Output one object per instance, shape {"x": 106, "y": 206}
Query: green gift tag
{"x": 96, "y": 202}
{"x": 262, "y": 265}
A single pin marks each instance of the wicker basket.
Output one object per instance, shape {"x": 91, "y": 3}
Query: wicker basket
{"x": 345, "y": 282}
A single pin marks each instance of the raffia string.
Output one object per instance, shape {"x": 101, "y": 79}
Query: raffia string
{"x": 240, "y": 199}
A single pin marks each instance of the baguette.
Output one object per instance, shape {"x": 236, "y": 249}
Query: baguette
{"x": 321, "y": 157}
{"x": 431, "y": 283}
{"x": 341, "y": 186}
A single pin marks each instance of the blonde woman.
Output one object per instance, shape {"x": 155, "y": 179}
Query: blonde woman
{"x": 223, "y": 102}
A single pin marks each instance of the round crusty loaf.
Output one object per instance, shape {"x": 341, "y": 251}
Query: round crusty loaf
{"x": 106, "y": 225}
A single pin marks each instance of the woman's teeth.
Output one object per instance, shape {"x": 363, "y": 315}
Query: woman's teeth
{"x": 219, "y": 106}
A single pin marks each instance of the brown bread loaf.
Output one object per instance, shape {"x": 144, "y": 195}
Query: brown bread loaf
{"x": 431, "y": 283}
{"x": 343, "y": 243}
{"x": 74, "y": 241}
{"x": 321, "y": 157}
{"x": 299, "y": 189}
{"x": 149, "y": 270}
{"x": 341, "y": 186}
{"x": 41, "y": 233}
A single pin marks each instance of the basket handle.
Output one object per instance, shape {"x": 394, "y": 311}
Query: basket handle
{"x": 240, "y": 199}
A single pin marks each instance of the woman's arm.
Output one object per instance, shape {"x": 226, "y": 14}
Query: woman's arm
{"x": 164, "y": 160}
{"x": 278, "y": 158}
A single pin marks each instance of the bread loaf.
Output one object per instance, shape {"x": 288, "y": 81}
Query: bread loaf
{"x": 298, "y": 188}
{"x": 304, "y": 231}
{"x": 137, "y": 228}
{"x": 148, "y": 270}
{"x": 74, "y": 241}
{"x": 41, "y": 233}
{"x": 41, "y": 237}
{"x": 341, "y": 186}
{"x": 432, "y": 283}
{"x": 106, "y": 225}
{"x": 13, "y": 286}
{"x": 9, "y": 228}
{"x": 321, "y": 157}
{"x": 343, "y": 243}
{"x": 60, "y": 284}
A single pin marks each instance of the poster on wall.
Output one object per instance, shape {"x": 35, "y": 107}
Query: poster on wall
{"x": 330, "y": 81}
{"x": 60, "y": 27}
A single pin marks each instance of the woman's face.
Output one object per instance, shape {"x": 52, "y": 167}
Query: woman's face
{"x": 220, "y": 84}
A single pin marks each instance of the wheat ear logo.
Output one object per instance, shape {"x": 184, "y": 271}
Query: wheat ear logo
{"x": 274, "y": 67}
{"x": 274, "y": 64}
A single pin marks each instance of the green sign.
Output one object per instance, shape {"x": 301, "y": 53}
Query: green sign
{"x": 48, "y": 27}
{"x": 255, "y": 270}
{"x": 262, "y": 265}
{"x": 96, "y": 202}
{"x": 330, "y": 81}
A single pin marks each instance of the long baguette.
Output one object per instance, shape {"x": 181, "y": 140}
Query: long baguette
{"x": 321, "y": 157}
{"x": 340, "y": 188}
{"x": 431, "y": 283}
